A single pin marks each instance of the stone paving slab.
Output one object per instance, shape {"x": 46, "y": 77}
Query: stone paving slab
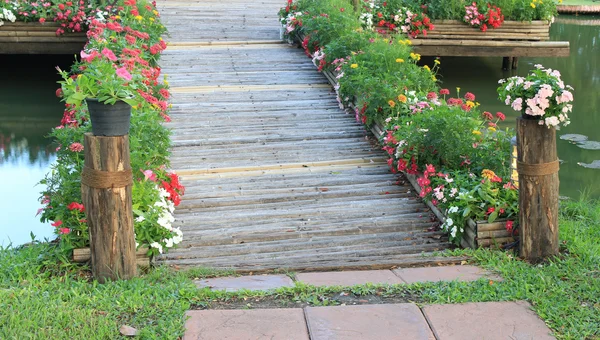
{"x": 368, "y": 322}
{"x": 275, "y": 324}
{"x": 486, "y": 320}
{"x": 443, "y": 273}
{"x": 349, "y": 278}
{"x": 257, "y": 282}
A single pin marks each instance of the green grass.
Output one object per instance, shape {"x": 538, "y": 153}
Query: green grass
{"x": 40, "y": 299}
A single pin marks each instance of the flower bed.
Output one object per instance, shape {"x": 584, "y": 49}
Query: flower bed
{"x": 119, "y": 62}
{"x": 456, "y": 151}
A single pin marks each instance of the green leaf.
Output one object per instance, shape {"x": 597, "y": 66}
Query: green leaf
{"x": 493, "y": 216}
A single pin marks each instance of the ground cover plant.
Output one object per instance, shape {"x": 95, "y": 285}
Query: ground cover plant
{"x": 41, "y": 298}
{"x": 119, "y": 62}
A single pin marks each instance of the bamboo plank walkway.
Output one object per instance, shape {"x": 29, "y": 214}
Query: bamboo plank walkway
{"x": 277, "y": 176}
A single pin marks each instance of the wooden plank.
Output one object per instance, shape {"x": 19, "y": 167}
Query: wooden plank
{"x": 482, "y": 51}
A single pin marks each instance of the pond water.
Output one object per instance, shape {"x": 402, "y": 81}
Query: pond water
{"x": 28, "y": 111}
{"x": 581, "y": 70}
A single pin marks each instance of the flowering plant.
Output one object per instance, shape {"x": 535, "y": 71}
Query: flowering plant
{"x": 541, "y": 94}
{"x": 118, "y": 62}
{"x": 410, "y": 23}
{"x": 492, "y": 17}
{"x": 6, "y": 14}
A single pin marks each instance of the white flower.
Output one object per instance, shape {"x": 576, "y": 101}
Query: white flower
{"x": 140, "y": 218}
{"x": 157, "y": 245}
{"x": 449, "y": 222}
{"x": 453, "y": 209}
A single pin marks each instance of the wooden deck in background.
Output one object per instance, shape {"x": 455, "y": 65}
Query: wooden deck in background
{"x": 277, "y": 176}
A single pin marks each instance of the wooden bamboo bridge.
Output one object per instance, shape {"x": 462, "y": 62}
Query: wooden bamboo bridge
{"x": 277, "y": 176}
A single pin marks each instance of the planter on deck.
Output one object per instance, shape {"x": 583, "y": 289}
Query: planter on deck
{"x": 36, "y": 38}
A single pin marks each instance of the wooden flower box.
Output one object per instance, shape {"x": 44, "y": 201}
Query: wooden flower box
{"x": 36, "y": 38}
{"x": 482, "y": 234}
{"x": 512, "y": 39}
{"x": 142, "y": 258}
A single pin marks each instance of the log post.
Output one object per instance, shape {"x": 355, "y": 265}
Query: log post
{"x": 515, "y": 63}
{"x": 355, "y": 5}
{"x": 506, "y": 63}
{"x": 537, "y": 165}
{"x": 106, "y": 183}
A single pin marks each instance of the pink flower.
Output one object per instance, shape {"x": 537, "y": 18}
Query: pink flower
{"x": 64, "y": 231}
{"x": 500, "y": 116}
{"x": 149, "y": 175}
{"x": 431, "y": 95}
{"x": 42, "y": 20}
{"x": 487, "y": 115}
{"x": 444, "y": 91}
{"x": 469, "y": 96}
{"x": 109, "y": 54}
{"x": 123, "y": 73}
{"x": 56, "y": 224}
{"x": 76, "y": 147}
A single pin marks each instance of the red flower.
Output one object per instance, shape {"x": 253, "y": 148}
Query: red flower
{"x": 59, "y": 93}
{"x": 76, "y": 206}
{"x": 431, "y": 95}
{"x": 61, "y": 7}
{"x": 76, "y": 147}
{"x": 379, "y": 15}
{"x": 429, "y": 169}
{"x": 444, "y": 91}
{"x": 42, "y": 20}
{"x": 342, "y": 9}
{"x": 56, "y": 224}
{"x": 490, "y": 210}
{"x": 487, "y": 115}
{"x": 64, "y": 231}
{"x": 469, "y": 96}
{"x": 509, "y": 226}
{"x": 500, "y": 116}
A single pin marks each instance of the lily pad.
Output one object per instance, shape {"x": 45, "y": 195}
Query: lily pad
{"x": 589, "y": 145}
{"x": 593, "y": 165}
{"x": 573, "y": 137}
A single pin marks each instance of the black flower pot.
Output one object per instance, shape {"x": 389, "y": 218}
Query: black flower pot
{"x": 109, "y": 120}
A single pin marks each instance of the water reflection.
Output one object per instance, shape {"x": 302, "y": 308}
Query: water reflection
{"x": 581, "y": 70}
{"x": 28, "y": 111}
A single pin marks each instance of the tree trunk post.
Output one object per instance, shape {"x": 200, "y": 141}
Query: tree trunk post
{"x": 106, "y": 183}
{"x": 537, "y": 164}
{"x": 355, "y": 5}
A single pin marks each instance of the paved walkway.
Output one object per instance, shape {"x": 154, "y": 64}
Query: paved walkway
{"x": 276, "y": 174}
{"x": 488, "y": 320}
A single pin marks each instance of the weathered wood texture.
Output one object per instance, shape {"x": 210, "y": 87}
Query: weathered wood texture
{"x": 538, "y": 195}
{"x": 513, "y": 38}
{"x": 84, "y": 255}
{"x": 277, "y": 175}
{"x": 108, "y": 210}
{"x": 36, "y": 38}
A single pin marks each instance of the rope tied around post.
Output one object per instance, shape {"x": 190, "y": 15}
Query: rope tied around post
{"x": 106, "y": 179}
{"x": 541, "y": 169}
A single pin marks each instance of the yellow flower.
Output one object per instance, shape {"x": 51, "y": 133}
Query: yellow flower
{"x": 78, "y": 76}
{"x": 399, "y": 60}
{"x": 359, "y": 29}
{"x": 139, "y": 18}
{"x": 492, "y": 129}
{"x": 437, "y": 61}
{"x": 354, "y": 66}
{"x": 353, "y": 53}
{"x": 415, "y": 56}
{"x": 476, "y": 132}
{"x": 402, "y": 98}
{"x": 427, "y": 68}
{"x": 155, "y": 12}
{"x": 392, "y": 103}
{"x": 560, "y": 1}
{"x": 470, "y": 104}
{"x": 166, "y": 82}
{"x": 151, "y": 19}
{"x": 489, "y": 174}
{"x": 408, "y": 42}
{"x": 433, "y": 78}
{"x": 532, "y": 5}
{"x": 386, "y": 40}
{"x": 117, "y": 17}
